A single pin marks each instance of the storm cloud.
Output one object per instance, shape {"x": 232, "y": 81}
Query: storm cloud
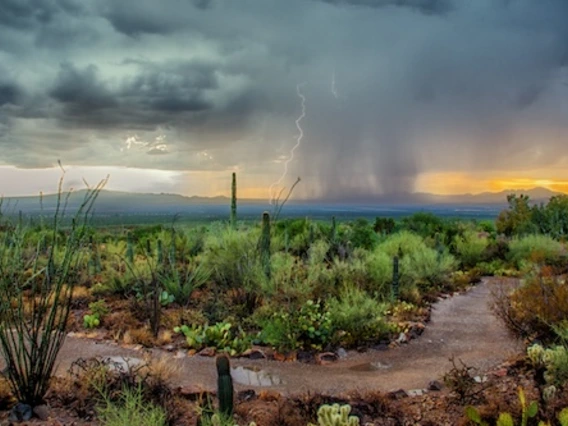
{"x": 394, "y": 88}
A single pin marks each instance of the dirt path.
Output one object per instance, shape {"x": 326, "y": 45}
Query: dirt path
{"x": 461, "y": 326}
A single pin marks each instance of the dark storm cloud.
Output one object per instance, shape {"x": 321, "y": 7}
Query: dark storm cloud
{"x": 424, "y": 6}
{"x": 419, "y": 85}
{"x": 146, "y": 18}
{"x": 80, "y": 90}
{"x": 9, "y": 93}
{"x": 29, "y": 13}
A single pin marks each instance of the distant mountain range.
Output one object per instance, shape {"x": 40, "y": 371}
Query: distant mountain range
{"x": 128, "y": 202}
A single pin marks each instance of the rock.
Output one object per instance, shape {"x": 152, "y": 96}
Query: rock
{"x": 398, "y": 394}
{"x": 41, "y": 412}
{"x": 305, "y": 356}
{"x": 169, "y": 348}
{"x": 326, "y": 358}
{"x": 207, "y": 352}
{"x": 341, "y": 353}
{"x": 502, "y": 372}
{"x": 246, "y": 395}
{"x": 193, "y": 392}
{"x": 254, "y": 353}
{"x": 179, "y": 355}
{"x": 434, "y": 385}
{"x": 402, "y": 338}
{"x": 416, "y": 392}
{"x": 381, "y": 347}
{"x": 20, "y": 413}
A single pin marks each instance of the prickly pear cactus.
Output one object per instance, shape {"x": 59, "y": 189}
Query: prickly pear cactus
{"x": 335, "y": 415}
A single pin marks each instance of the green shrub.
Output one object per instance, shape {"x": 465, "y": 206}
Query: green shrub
{"x": 362, "y": 235}
{"x": 357, "y": 318}
{"x": 403, "y": 242}
{"x": 378, "y": 266}
{"x": 221, "y": 336}
{"x": 471, "y": 248}
{"x": 232, "y": 257}
{"x": 426, "y": 267}
{"x": 289, "y": 329}
{"x": 131, "y": 409}
{"x": 535, "y": 248}
{"x": 182, "y": 279}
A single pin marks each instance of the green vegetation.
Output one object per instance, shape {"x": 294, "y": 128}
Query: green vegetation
{"x": 131, "y": 409}
{"x": 291, "y": 284}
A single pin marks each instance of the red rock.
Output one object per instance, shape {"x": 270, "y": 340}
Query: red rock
{"x": 207, "y": 352}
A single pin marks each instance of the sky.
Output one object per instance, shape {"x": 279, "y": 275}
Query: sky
{"x": 356, "y": 97}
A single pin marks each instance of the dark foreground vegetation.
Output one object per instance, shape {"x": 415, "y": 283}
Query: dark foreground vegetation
{"x": 289, "y": 289}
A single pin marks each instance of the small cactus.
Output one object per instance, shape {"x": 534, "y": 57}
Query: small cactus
{"x": 333, "y": 233}
{"x": 336, "y": 415}
{"x": 129, "y": 249}
{"x": 234, "y": 201}
{"x": 160, "y": 252}
{"x": 265, "y": 244}
{"x": 224, "y": 385}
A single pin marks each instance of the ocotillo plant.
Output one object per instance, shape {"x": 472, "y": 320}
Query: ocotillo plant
{"x": 224, "y": 385}
{"x": 234, "y": 201}
{"x": 34, "y": 311}
{"x": 265, "y": 244}
{"x": 395, "y": 283}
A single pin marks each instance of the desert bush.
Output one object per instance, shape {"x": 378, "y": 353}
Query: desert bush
{"x": 423, "y": 223}
{"x": 362, "y": 235}
{"x": 180, "y": 280}
{"x": 402, "y": 243}
{"x": 426, "y": 267}
{"x": 534, "y": 307}
{"x": 288, "y": 329}
{"x": 130, "y": 409}
{"x": 535, "y": 248}
{"x": 288, "y": 279}
{"x": 357, "y": 318}
{"x": 471, "y": 248}
{"x": 233, "y": 259}
{"x": 378, "y": 267}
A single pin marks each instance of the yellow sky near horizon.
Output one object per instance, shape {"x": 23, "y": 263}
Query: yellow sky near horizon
{"x": 16, "y": 182}
{"x": 447, "y": 183}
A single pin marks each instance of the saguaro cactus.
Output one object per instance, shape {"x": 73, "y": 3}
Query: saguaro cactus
{"x": 129, "y": 249}
{"x": 333, "y": 232}
{"x": 395, "y": 276}
{"x": 265, "y": 244}
{"x": 234, "y": 201}
{"x": 224, "y": 385}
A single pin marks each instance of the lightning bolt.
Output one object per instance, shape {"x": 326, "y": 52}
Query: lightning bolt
{"x": 298, "y": 142}
{"x": 333, "y": 86}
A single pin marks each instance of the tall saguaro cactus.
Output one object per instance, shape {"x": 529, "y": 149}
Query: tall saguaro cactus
{"x": 395, "y": 278}
{"x": 265, "y": 244}
{"x": 234, "y": 201}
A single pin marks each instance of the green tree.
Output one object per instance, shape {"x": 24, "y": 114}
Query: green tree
{"x": 517, "y": 218}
